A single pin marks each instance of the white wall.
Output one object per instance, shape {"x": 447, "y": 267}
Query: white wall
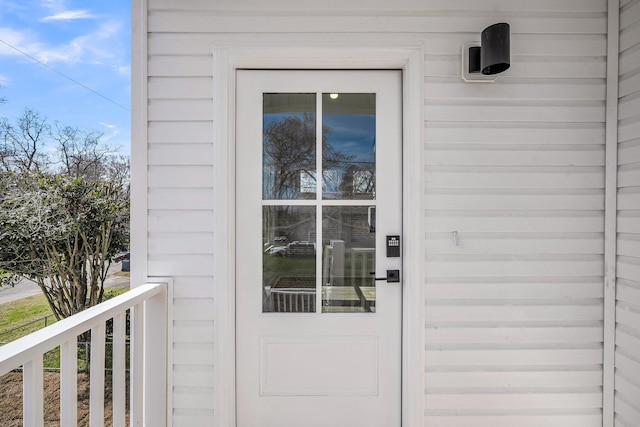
{"x": 514, "y": 333}
{"x": 516, "y": 167}
{"x": 627, "y": 379}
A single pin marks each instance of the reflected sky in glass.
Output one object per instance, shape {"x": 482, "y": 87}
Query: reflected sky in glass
{"x": 349, "y": 150}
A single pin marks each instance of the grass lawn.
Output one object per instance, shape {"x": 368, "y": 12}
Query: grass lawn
{"x": 30, "y": 312}
{"x": 31, "y": 309}
{"x": 20, "y": 312}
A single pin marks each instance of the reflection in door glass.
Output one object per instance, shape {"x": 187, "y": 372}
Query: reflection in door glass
{"x": 288, "y": 259}
{"x": 348, "y": 259}
{"x": 349, "y": 148}
{"x": 289, "y": 146}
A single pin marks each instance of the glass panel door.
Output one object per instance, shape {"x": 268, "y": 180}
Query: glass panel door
{"x": 318, "y": 191}
{"x": 319, "y": 240}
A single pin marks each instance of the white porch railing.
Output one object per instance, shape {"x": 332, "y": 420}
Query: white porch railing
{"x": 147, "y": 360}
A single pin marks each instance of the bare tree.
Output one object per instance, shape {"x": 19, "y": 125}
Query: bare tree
{"x": 5, "y": 153}
{"x": 23, "y": 143}
{"x": 118, "y": 170}
{"x": 80, "y": 153}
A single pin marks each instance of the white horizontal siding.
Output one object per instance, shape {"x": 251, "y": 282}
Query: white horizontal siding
{"x": 180, "y": 133}
{"x": 193, "y": 350}
{"x": 186, "y": 52}
{"x": 555, "y": 288}
{"x": 520, "y": 418}
{"x": 179, "y": 87}
{"x": 513, "y": 177}
{"x": 516, "y": 134}
{"x": 515, "y": 243}
{"x": 527, "y": 22}
{"x": 484, "y": 154}
{"x": 516, "y": 168}
{"x": 500, "y": 199}
{"x": 555, "y": 90}
{"x": 180, "y": 66}
{"x": 177, "y": 221}
{"x": 357, "y": 6}
{"x": 514, "y": 312}
{"x": 180, "y": 154}
{"x": 181, "y": 265}
{"x": 629, "y": 152}
{"x": 627, "y": 361}
{"x": 487, "y": 333}
{"x": 546, "y": 111}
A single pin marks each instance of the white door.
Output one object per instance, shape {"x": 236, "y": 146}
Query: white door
{"x": 318, "y": 198}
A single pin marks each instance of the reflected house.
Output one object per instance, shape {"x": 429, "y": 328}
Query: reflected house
{"x": 349, "y": 225}
{"x": 288, "y": 224}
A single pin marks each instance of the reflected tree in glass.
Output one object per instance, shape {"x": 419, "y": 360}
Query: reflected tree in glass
{"x": 290, "y": 157}
{"x": 352, "y": 120}
{"x": 289, "y": 147}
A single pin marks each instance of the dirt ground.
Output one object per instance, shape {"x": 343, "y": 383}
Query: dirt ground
{"x": 11, "y": 400}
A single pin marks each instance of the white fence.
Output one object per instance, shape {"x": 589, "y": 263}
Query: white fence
{"x": 148, "y": 360}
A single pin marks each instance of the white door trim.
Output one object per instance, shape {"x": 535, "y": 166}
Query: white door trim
{"x": 227, "y": 59}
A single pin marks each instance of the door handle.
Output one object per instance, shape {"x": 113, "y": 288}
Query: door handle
{"x": 393, "y": 276}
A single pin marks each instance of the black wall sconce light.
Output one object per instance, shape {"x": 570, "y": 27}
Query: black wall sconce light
{"x": 482, "y": 61}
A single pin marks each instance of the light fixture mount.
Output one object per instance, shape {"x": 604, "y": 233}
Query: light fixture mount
{"x": 482, "y": 61}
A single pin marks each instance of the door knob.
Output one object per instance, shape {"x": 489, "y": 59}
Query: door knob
{"x": 393, "y": 276}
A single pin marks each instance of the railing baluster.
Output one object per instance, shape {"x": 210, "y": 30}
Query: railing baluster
{"x": 155, "y": 367}
{"x": 69, "y": 382}
{"x": 136, "y": 368}
{"x": 148, "y": 360}
{"x": 118, "y": 373}
{"x": 33, "y": 390}
{"x": 96, "y": 385}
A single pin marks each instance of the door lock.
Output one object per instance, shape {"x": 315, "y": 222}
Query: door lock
{"x": 393, "y": 246}
{"x": 393, "y": 276}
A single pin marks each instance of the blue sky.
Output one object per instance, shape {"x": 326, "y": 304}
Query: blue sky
{"x": 87, "y": 41}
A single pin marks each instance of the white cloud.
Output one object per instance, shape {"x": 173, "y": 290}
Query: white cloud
{"x": 68, "y": 15}
{"x": 95, "y": 47}
{"x": 124, "y": 70}
{"x": 18, "y": 39}
{"x": 53, "y": 4}
{"x": 104, "y": 44}
{"x": 112, "y": 135}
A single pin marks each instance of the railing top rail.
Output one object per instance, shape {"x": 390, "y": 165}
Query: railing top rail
{"x": 16, "y": 353}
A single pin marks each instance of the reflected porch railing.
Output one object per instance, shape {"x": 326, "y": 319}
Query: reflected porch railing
{"x": 147, "y": 364}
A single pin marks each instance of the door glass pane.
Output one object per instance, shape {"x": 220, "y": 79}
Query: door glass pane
{"x": 289, "y": 260}
{"x": 348, "y": 259}
{"x": 348, "y": 146}
{"x": 289, "y": 146}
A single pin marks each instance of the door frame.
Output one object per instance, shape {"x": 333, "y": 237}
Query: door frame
{"x": 374, "y": 54}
